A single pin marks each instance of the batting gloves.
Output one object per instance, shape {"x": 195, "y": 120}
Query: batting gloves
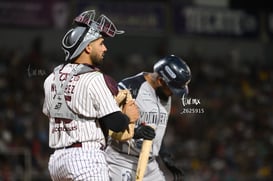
{"x": 145, "y": 132}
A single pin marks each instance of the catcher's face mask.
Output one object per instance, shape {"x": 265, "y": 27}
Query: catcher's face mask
{"x": 87, "y": 30}
{"x": 103, "y": 24}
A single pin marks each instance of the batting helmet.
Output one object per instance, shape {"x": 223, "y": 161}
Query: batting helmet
{"x": 87, "y": 29}
{"x": 175, "y": 72}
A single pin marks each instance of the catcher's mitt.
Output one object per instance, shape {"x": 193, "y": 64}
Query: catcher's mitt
{"x": 122, "y": 98}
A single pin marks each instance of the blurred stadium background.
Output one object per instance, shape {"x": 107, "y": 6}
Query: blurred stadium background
{"x": 227, "y": 43}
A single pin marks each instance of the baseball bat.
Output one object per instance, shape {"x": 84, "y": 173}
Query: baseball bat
{"x": 143, "y": 159}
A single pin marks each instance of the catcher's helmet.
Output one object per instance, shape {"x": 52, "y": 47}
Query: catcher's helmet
{"x": 175, "y": 72}
{"x": 87, "y": 29}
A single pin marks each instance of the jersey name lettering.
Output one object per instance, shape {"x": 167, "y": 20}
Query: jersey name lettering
{"x": 64, "y": 128}
{"x": 153, "y": 118}
{"x": 63, "y": 76}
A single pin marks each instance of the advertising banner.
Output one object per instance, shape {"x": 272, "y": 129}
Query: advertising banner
{"x": 215, "y": 21}
{"x": 34, "y": 14}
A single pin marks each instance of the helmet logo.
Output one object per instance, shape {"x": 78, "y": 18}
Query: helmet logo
{"x": 170, "y": 72}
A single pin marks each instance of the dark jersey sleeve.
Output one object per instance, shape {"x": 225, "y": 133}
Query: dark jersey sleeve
{"x": 111, "y": 84}
{"x": 132, "y": 83}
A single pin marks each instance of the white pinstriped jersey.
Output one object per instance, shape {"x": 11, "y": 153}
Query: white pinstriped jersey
{"x": 153, "y": 112}
{"x": 88, "y": 96}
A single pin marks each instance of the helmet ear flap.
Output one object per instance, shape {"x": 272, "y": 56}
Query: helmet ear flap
{"x": 72, "y": 42}
{"x": 69, "y": 40}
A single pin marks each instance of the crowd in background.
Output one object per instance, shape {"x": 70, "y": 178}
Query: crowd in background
{"x": 230, "y": 139}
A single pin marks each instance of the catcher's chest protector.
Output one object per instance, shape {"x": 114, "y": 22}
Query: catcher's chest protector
{"x": 59, "y": 108}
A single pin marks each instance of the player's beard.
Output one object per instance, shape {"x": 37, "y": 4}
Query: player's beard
{"x": 97, "y": 59}
{"x": 160, "y": 93}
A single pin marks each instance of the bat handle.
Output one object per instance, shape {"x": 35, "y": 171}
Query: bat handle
{"x": 143, "y": 159}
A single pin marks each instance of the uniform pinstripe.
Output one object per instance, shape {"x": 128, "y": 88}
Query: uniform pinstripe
{"x": 88, "y": 96}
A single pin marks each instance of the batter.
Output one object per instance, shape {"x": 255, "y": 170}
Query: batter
{"x": 152, "y": 92}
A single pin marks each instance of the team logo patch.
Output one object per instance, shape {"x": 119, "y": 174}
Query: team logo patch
{"x": 127, "y": 176}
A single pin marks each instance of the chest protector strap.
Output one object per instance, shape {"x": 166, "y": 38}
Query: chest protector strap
{"x": 59, "y": 108}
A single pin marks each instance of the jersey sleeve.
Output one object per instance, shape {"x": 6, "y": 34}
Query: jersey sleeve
{"x": 103, "y": 99}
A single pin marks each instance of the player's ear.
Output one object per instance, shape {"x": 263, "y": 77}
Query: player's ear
{"x": 160, "y": 81}
{"x": 88, "y": 48}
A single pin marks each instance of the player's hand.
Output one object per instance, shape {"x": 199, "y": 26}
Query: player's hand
{"x": 131, "y": 110}
{"x": 145, "y": 132}
{"x": 121, "y": 97}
